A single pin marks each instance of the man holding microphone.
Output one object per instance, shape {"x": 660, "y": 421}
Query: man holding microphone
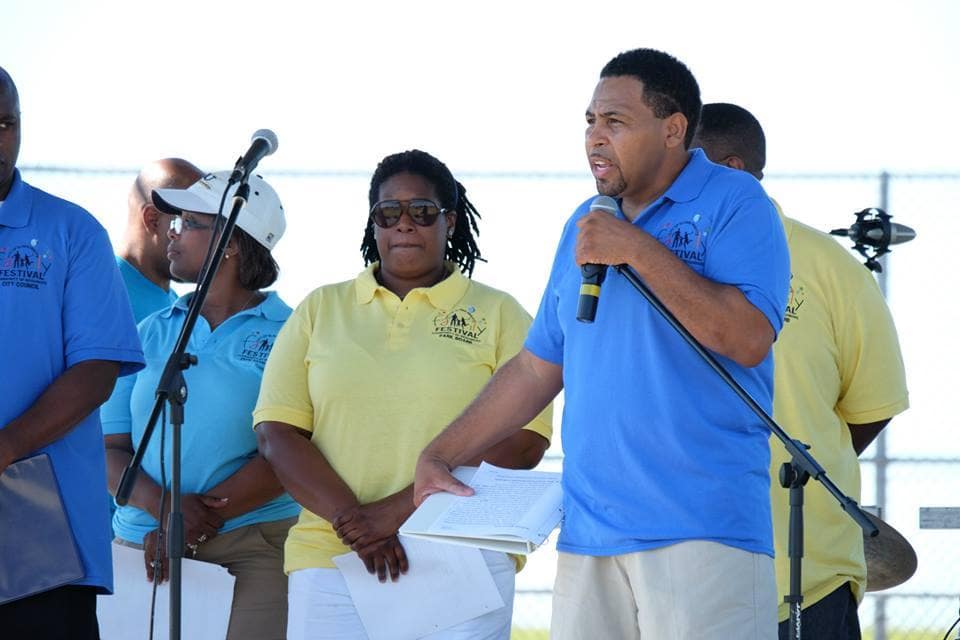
{"x": 667, "y": 529}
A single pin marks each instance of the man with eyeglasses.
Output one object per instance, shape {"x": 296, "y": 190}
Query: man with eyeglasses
{"x": 68, "y": 332}
{"x": 142, "y": 255}
{"x": 667, "y": 529}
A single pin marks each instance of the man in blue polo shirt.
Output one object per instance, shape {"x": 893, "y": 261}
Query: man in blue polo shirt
{"x": 667, "y": 528}
{"x": 142, "y": 255}
{"x": 67, "y": 333}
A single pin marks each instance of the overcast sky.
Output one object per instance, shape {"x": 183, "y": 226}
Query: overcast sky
{"x": 487, "y": 86}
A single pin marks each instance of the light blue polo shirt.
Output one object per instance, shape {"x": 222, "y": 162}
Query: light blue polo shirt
{"x": 145, "y": 296}
{"x": 61, "y": 303}
{"x": 217, "y": 434}
{"x": 657, "y": 449}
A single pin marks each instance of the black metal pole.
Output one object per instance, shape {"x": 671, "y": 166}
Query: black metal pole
{"x": 175, "y": 539}
{"x": 792, "y": 478}
{"x": 172, "y": 388}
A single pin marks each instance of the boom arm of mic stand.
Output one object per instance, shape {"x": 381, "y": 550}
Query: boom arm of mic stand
{"x": 802, "y": 458}
{"x": 171, "y": 382}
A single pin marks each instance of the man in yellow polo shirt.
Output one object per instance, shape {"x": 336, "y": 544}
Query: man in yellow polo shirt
{"x": 838, "y": 381}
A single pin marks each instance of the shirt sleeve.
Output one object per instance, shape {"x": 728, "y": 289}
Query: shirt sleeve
{"x": 545, "y": 337}
{"x": 748, "y": 249}
{"x": 115, "y": 414}
{"x": 514, "y": 322}
{"x": 97, "y": 317}
{"x": 872, "y": 379}
{"x": 284, "y": 390}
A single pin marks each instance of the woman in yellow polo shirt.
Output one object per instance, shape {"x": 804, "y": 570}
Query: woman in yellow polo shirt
{"x": 366, "y": 372}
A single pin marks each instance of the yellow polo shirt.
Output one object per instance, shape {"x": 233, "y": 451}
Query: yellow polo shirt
{"x": 374, "y": 378}
{"x": 837, "y": 362}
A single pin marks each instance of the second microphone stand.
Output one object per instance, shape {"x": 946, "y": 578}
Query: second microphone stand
{"x": 172, "y": 388}
{"x": 802, "y": 466}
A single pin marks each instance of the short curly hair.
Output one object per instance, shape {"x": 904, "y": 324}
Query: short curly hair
{"x": 668, "y": 85}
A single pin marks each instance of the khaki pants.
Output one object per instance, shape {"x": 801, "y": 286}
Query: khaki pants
{"x": 254, "y": 556}
{"x": 691, "y": 590}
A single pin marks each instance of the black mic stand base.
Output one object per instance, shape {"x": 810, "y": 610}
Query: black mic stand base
{"x": 794, "y": 478}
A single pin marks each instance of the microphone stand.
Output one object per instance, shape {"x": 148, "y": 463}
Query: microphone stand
{"x": 172, "y": 388}
{"x": 801, "y": 467}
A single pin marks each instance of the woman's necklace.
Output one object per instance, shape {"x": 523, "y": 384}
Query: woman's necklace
{"x": 215, "y": 320}
{"x": 247, "y": 305}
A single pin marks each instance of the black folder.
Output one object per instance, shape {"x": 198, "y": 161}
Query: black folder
{"x": 37, "y": 548}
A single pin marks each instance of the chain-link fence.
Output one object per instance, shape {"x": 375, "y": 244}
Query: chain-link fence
{"x": 916, "y": 463}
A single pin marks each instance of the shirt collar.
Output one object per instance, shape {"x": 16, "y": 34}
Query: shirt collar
{"x": 443, "y": 295}
{"x": 691, "y": 180}
{"x": 271, "y": 308}
{"x": 16, "y": 208}
{"x": 784, "y": 220}
{"x": 132, "y": 272}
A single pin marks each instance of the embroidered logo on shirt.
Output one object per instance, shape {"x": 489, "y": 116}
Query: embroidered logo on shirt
{"x": 797, "y": 297}
{"x": 460, "y": 324}
{"x": 684, "y": 239}
{"x": 256, "y": 347}
{"x": 24, "y": 266}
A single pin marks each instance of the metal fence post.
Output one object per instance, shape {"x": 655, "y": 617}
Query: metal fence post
{"x": 880, "y": 457}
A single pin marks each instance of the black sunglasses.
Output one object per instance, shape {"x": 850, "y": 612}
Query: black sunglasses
{"x": 423, "y": 212}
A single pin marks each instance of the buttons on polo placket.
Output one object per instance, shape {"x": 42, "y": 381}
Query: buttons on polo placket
{"x": 202, "y": 335}
{"x": 402, "y": 323}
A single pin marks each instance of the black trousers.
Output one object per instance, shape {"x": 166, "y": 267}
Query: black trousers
{"x": 833, "y": 618}
{"x": 65, "y": 613}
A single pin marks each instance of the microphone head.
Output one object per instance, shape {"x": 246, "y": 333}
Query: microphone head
{"x": 901, "y": 233}
{"x": 267, "y": 136}
{"x": 604, "y": 203}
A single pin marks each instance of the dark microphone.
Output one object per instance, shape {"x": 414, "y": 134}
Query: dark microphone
{"x": 262, "y": 143}
{"x": 593, "y": 274}
{"x": 878, "y": 233}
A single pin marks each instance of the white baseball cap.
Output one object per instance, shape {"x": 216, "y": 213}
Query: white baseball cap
{"x": 262, "y": 217}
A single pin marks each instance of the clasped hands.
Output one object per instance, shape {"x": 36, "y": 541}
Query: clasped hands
{"x": 201, "y": 522}
{"x": 371, "y": 530}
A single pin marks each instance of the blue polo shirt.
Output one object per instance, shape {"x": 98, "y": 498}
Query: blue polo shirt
{"x": 145, "y": 296}
{"x": 61, "y": 303}
{"x": 657, "y": 449}
{"x": 217, "y": 435}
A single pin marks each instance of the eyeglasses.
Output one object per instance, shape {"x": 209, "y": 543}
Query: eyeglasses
{"x": 178, "y": 224}
{"x": 423, "y": 212}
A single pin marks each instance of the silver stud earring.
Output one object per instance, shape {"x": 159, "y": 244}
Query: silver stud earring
{"x": 449, "y": 233}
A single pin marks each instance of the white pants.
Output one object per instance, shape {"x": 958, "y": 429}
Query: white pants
{"x": 695, "y": 589}
{"x": 320, "y": 607}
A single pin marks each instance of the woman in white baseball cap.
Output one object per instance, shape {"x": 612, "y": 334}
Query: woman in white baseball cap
{"x": 236, "y": 513}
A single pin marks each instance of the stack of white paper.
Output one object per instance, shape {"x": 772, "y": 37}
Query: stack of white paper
{"x": 512, "y": 510}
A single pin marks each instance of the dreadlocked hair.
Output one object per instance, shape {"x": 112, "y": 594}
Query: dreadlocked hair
{"x": 462, "y": 248}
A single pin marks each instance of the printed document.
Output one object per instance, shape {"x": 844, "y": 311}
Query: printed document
{"x": 512, "y": 510}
